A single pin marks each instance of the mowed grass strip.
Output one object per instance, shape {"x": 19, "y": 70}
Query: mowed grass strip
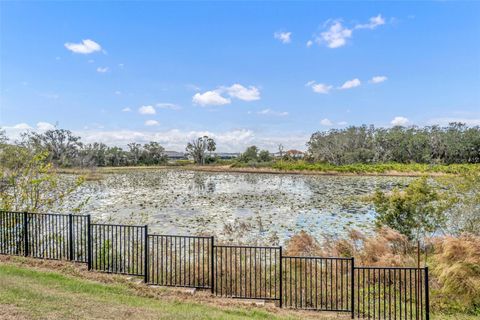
{"x": 36, "y": 294}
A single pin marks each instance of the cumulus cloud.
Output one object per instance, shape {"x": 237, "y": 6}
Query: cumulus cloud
{"x": 372, "y": 23}
{"x": 319, "y": 87}
{"x": 399, "y": 121}
{"x": 44, "y": 126}
{"x": 273, "y": 113}
{"x": 127, "y": 109}
{"x": 213, "y": 98}
{"x": 240, "y": 92}
{"x": 150, "y": 123}
{"x": 237, "y": 91}
{"x": 85, "y": 47}
{"x": 102, "y": 69}
{"x": 378, "y": 79}
{"x": 336, "y": 35}
{"x": 351, "y": 84}
{"x": 147, "y": 110}
{"x": 326, "y": 122}
{"x": 22, "y": 126}
{"x": 283, "y": 37}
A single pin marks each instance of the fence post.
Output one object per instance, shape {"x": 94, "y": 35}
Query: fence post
{"x": 89, "y": 243}
{"x": 70, "y": 237}
{"x": 427, "y": 298}
{"x": 25, "y": 234}
{"x": 146, "y": 253}
{"x": 212, "y": 264}
{"x": 281, "y": 279}
{"x": 352, "y": 288}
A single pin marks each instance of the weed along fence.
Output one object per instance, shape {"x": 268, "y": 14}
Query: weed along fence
{"x": 246, "y": 272}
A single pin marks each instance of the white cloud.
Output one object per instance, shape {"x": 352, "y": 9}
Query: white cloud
{"x": 150, "y": 123}
{"x": 351, "y": 84}
{"x": 319, "y": 87}
{"x": 309, "y": 43}
{"x": 44, "y": 126}
{"x": 326, "y": 122}
{"x": 146, "y": 110}
{"x": 336, "y": 36}
{"x": 378, "y": 79}
{"x": 399, "y": 121}
{"x": 22, "y": 126}
{"x": 342, "y": 123}
{"x": 127, "y": 109}
{"x": 166, "y": 105}
{"x": 240, "y": 92}
{"x": 273, "y": 113}
{"x": 213, "y": 98}
{"x": 102, "y": 69}
{"x": 85, "y": 47}
{"x": 118, "y": 92}
{"x": 283, "y": 37}
{"x": 372, "y": 24}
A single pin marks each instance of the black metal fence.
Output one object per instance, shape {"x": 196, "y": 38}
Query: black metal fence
{"x": 249, "y": 272}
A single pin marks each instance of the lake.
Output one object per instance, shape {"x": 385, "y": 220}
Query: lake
{"x": 242, "y": 208}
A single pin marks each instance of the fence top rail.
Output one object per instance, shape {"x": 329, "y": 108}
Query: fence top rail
{"x": 317, "y": 258}
{"x": 390, "y": 268}
{"x": 44, "y": 214}
{"x": 178, "y": 236}
{"x": 117, "y": 225}
{"x": 247, "y": 247}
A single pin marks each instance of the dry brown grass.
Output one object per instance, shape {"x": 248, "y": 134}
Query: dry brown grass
{"x": 386, "y": 248}
{"x": 456, "y": 267}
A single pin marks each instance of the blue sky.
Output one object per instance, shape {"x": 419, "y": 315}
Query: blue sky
{"x": 247, "y": 73}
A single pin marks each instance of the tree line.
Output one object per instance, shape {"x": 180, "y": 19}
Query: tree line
{"x": 455, "y": 143}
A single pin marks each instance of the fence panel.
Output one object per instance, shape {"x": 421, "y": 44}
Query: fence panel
{"x": 181, "y": 261}
{"x": 247, "y": 272}
{"x": 390, "y": 293}
{"x": 48, "y": 236}
{"x": 12, "y": 235}
{"x": 317, "y": 283}
{"x": 118, "y": 248}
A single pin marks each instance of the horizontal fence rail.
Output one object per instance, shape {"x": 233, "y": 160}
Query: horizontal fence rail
{"x": 180, "y": 261}
{"x": 247, "y": 272}
{"x": 318, "y": 283}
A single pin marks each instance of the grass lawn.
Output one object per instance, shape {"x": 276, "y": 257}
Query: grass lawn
{"x": 37, "y": 289}
{"x": 33, "y": 292}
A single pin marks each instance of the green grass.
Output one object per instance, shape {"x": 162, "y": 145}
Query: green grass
{"x": 35, "y": 294}
{"x": 376, "y": 168}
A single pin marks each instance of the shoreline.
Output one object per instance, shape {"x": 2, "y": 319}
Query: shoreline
{"x": 229, "y": 169}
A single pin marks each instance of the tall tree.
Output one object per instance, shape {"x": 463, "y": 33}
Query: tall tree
{"x": 198, "y": 148}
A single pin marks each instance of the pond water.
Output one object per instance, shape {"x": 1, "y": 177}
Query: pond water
{"x": 242, "y": 208}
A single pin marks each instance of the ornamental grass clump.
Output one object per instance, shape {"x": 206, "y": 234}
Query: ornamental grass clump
{"x": 456, "y": 269}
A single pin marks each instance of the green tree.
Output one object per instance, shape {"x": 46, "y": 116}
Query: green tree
{"x": 264, "y": 156}
{"x": 250, "y": 154}
{"x": 415, "y": 211}
{"x": 198, "y": 148}
{"x": 29, "y": 181}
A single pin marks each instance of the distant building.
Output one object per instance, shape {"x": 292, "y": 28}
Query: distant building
{"x": 295, "y": 154}
{"x": 227, "y": 155}
{"x": 175, "y": 155}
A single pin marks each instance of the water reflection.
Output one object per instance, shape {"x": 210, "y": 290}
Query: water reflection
{"x": 235, "y": 207}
